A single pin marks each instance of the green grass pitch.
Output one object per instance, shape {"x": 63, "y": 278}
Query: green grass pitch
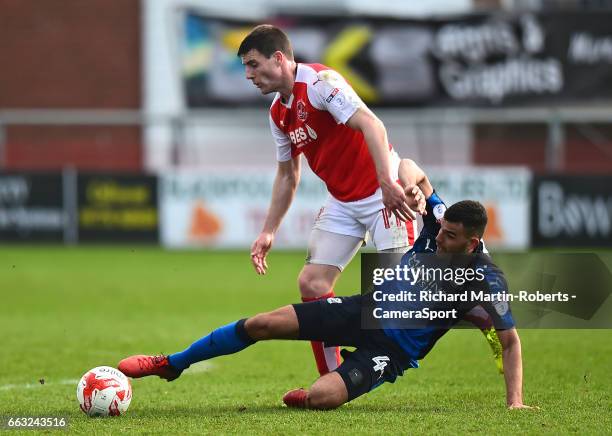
{"x": 66, "y": 310}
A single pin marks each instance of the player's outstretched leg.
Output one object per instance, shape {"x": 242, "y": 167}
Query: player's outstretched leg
{"x": 328, "y": 392}
{"x": 316, "y": 282}
{"x": 232, "y": 338}
{"x": 326, "y": 358}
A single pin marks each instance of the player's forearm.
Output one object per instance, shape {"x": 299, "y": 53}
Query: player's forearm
{"x": 411, "y": 174}
{"x": 283, "y": 192}
{"x": 513, "y": 372}
{"x": 375, "y": 135}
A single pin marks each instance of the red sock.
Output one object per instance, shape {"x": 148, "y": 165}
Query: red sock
{"x": 327, "y": 358}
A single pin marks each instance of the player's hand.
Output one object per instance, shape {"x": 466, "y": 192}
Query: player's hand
{"x": 259, "y": 251}
{"x": 394, "y": 200}
{"x": 415, "y": 199}
{"x": 515, "y": 406}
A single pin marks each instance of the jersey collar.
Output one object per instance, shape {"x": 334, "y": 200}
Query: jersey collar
{"x": 297, "y": 74}
{"x": 289, "y": 102}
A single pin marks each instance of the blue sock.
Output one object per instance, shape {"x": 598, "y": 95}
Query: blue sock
{"x": 228, "y": 339}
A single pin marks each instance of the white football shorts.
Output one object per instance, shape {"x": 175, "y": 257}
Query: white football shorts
{"x": 341, "y": 228}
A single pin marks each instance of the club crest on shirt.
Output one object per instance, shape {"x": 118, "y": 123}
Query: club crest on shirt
{"x": 301, "y": 110}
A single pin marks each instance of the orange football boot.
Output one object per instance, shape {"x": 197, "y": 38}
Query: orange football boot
{"x": 143, "y": 366}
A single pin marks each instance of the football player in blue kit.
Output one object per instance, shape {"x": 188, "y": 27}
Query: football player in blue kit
{"x": 381, "y": 354}
{"x": 411, "y": 174}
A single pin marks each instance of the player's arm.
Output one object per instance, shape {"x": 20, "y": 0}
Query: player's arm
{"x": 513, "y": 368}
{"x": 416, "y": 185}
{"x": 375, "y": 135}
{"x": 410, "y": 174}
{"x": 285, "y": 184}
{"x": 495, "y": 284}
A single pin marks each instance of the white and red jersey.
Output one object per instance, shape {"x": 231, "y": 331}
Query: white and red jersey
{"x": 313, "y": 122}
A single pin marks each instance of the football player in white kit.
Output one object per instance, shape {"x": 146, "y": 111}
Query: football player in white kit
{"x": 317, "y": 113}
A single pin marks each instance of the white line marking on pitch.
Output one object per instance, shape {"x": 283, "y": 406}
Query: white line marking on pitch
{"x": 197, "y": 368}
{"x": 38, "y": 385}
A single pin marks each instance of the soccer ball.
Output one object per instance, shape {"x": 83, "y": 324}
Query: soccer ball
{"x": 104, "y": 391}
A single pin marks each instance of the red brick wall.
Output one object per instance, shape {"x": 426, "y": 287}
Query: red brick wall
{"x": 71, "y": 54}
{"x": 83, "y": 147}
{"x": 588, "y": 148}
{"x": 510, "y": 145}
{"x": 525, "y": 144}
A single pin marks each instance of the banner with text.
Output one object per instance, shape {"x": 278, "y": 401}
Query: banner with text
{"x": 31, "y": 207}
{"x": 489, "y": 60}
{"x": 228, "y": 210}
{"x": 117, "y": 208}
{"x": 572, "y": 211}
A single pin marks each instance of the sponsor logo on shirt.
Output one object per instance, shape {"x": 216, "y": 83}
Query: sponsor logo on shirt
{"x": 331, "y": 96}
{"x": 311, "y": 132}
{"x": 300, "y": 137}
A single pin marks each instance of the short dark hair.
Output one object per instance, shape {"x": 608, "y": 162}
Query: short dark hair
{"x": 266, "y": 39}
{"x": 471, "y": 214}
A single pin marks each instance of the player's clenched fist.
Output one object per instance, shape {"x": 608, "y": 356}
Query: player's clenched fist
{"x": 259, "y": 251}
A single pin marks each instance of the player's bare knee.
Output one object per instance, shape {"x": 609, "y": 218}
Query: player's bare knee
{"x": 313, "y": 286}
{"x": 260, "y": 326}
{"x": 279, "y": 324}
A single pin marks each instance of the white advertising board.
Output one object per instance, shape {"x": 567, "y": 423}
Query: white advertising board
{"x": 505, "y": 193}
{"x": 227, "y": 208}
